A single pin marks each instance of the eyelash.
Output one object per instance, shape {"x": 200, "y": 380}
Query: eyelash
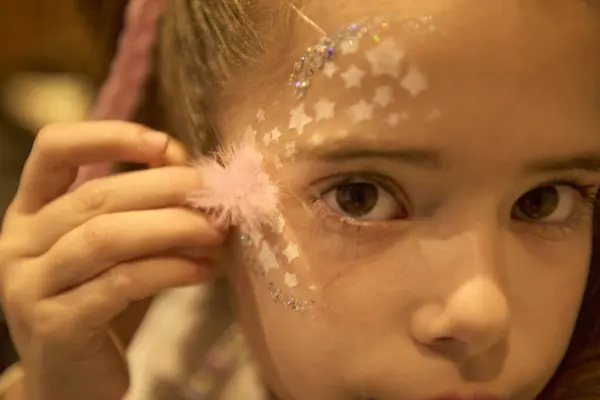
{"x": 585, "y": 209}
{"x": 349, "y": 225}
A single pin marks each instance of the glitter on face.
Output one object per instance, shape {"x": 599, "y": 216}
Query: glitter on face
{"x": 347, "y": 41}
{"x": 367, "y": 100}
{"x": 291, "y": 302}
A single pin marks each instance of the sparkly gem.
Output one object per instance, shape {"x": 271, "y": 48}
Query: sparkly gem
{"x": 348, "y": 41}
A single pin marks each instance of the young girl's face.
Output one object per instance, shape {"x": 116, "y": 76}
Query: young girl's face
{"x": 436, "y": 177}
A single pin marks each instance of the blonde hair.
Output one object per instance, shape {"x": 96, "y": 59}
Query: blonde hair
{"x": 213, "y": 48}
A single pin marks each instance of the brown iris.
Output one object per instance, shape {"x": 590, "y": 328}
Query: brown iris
{"x": 357, "y": 199}
{"x": 537, "y": 204}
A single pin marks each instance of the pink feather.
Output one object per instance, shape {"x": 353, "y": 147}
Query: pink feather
{"x": 237, "y": 191}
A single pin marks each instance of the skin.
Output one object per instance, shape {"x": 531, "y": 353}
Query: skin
{"x": 74, "y": 264}
{"x": 474, "y": 319}
{"x": 464, "y": 291}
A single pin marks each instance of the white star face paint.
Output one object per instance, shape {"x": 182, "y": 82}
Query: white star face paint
{"x": 374, "y": 82}
{"x": 353, "y": 77}
{"x": 385, "y": 59}
{"x": 330, "y": 69}
{"x": 299, "y": 119}
{"x": 384, "y": 96}
{"x": 415, "y": 82}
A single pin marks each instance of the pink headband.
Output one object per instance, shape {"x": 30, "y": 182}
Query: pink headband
{"x": 120, "y": 96}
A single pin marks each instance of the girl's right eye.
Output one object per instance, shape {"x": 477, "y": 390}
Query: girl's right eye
{"x": 363, "y": 200}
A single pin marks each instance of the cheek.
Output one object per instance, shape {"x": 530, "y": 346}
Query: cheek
{"x": 545, "y": 287}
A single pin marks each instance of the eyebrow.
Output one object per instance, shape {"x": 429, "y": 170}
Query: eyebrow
{"x": 417, "y": 157}
{"x": 583, "y": 162}
{"x": 432, "y": 159}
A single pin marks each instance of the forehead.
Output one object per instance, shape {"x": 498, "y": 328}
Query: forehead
{"x": 503, "y": 35}
{"x": 507, "y": 65}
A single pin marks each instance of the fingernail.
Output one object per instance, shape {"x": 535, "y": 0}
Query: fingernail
{"x": 156, "y": 140}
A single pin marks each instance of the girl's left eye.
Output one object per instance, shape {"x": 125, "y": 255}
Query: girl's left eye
{"x": 548, "y": 204}
{"x": 363, "y": 200}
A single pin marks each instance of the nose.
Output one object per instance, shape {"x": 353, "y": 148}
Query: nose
{"x": 474, "y": 317}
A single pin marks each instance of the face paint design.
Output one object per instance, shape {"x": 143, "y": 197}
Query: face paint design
{"x": 377, "y": 72}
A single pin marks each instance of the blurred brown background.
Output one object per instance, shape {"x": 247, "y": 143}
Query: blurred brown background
{"x": 53, "y": 56}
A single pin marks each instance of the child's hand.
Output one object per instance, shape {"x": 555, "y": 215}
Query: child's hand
{"x": 72, "y": 262}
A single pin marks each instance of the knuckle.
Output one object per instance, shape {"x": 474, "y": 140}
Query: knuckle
{"x": 91, "y": 196}
{"x": 121, "y": 283}
{"x": 13, "y": 298}
{"x": 46, "y": 137}
{"x": 96, "y": 236}
{"x": 46, "y": 322}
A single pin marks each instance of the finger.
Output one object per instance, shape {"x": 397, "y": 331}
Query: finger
{"x": 132, "y": 191}
{"x": 111, "y": 239}
{"x": 176, "y": 155}
{"x": 94, "y": 304}
{"x": 59, "y": 150}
